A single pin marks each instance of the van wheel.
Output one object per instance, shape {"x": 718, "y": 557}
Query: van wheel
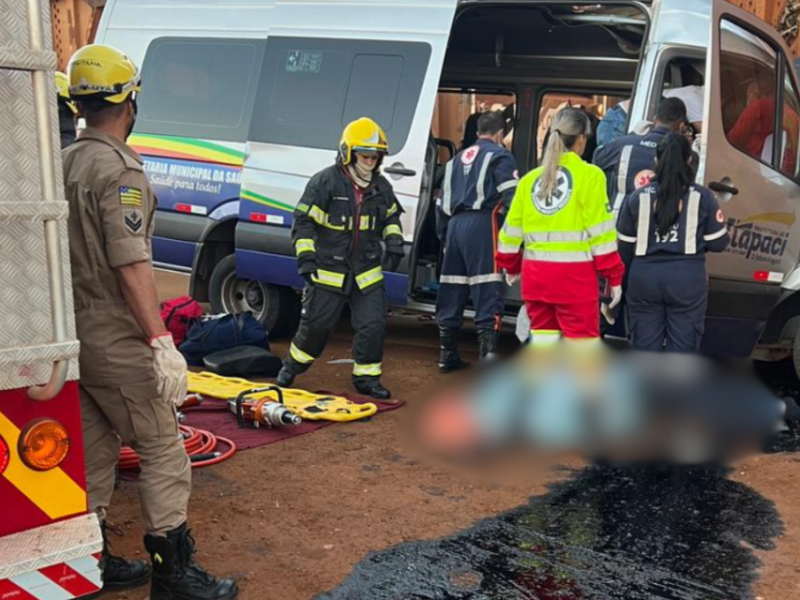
{"x": 271, "y": 305}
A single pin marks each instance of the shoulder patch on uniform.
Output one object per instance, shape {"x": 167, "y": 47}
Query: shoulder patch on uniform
{"x": 130, "y": 196}
{"x": 643, "y": 178}
{"x": 133, "y": 219}
{"x": 470, "y": 154}
{"x": 720, "y": 216}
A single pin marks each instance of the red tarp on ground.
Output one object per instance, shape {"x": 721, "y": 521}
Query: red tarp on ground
{"x": 223, "y": 423}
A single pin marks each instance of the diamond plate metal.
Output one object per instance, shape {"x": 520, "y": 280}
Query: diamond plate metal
{"x": 33, "y": 211}
{"x": 28, "y": 60}
{"x": 26, "y": 330}
{"x": 50, "y": 545}
{"x": 31, "y": 365}
{"x": 14, "y": 24}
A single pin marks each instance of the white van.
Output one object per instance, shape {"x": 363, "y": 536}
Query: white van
{"x": 243, "y": 103}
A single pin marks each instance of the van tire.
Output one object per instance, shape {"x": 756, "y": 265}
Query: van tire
{"x": 275, "y": 307}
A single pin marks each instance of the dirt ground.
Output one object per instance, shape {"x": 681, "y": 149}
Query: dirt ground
{"x": 290, "y": 520}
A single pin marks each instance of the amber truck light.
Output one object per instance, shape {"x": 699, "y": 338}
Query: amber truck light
{"x": 5, "y": 455}
{"x": 44, "y": 444}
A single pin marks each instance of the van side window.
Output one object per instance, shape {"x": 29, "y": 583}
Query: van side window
{"x": 791, "y": 126}
{"x": 311, "y": 88}
{"x": 199, "y": 88}
{"x": 748, "y": 66}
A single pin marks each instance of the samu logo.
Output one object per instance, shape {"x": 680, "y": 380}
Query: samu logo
{"x": 558, "y": 198}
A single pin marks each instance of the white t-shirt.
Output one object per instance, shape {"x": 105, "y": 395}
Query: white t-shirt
{"x": 693, "y": 97}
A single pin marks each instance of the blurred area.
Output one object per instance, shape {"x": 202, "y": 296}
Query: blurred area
{"x": 605, "y": 405}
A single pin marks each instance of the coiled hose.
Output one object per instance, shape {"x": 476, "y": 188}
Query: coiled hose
{"x": 201, "y": 446}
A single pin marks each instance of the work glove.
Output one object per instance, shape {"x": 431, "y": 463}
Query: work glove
{"x": 171, "y": 370}
{"x": 392, "y": 261}
{"x": 309, "y": 277}
{"x": 512, "y": 279}
{"x": 616, "y": 296}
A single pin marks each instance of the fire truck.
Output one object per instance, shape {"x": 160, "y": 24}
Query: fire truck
{"x": 49, "y": 543}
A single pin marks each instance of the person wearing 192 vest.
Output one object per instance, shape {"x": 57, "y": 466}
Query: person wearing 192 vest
{"x": 479, "y": 184}
{"x": 665, "y": 230}
{"x": 629, "y": 162}
{"x": 132, "y": 376}
{"x": 346, "y": 212}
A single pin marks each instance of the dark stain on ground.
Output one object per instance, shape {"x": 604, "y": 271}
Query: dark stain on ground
{"x": 604, "y": 533}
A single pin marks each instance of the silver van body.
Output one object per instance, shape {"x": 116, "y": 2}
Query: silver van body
{"x": 753, "y": 285}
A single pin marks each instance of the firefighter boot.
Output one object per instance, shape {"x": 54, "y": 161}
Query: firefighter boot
{"x": 487, "y": 343}
{"x": 371, "y": 386}
{"x": 175, "y": 574}
{"x": 118, "y": 573}
{"x": 449, "y": 360}
{"x": 285, "y": 378}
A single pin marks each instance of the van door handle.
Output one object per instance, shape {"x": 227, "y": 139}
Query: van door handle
{"x": 399, "y": 170}
{"x": 724, "y": 188}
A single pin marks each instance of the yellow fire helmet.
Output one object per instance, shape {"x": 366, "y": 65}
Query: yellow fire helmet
{"x": 62, "y": 89}
{"x": 363, "y": 135}
{"x": 98, "y": 72}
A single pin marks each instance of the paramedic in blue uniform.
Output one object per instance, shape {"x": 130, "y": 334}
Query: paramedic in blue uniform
{"x": 479, "y": 184}
{"x": 628, "y": 162}
{"x": 665, "y": 229}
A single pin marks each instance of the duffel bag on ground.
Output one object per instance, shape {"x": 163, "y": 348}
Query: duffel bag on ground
{"x": 243, "y": 361}
{"x": 178, "y": 315}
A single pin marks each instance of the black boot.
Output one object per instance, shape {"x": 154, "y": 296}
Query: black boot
{"x": 372, "y": 387}
{"x": 487, "y": 343}
{"x": 175, "y": 574}
{"x": 285, "y": 378}
{"x": 449, "y": 360}
{"x": 118, "y": 573}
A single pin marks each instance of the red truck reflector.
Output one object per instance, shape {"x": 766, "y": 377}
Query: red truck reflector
{"x": 5, "y": 455}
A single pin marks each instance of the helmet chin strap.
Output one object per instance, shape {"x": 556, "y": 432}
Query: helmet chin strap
{"x": 133, "y": 119}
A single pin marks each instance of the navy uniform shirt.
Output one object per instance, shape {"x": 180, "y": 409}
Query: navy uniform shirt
{"x": 478, "y": 178}
{"x": 629, "y": 163}
{"x": 700, "y": 227}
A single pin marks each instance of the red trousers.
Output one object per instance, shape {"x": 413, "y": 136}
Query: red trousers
{"x": 574, "y": 321}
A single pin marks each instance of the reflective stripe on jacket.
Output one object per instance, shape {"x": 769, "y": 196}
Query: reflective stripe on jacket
{"x": 338, "y": 229}
{"x": 561, "y": 242}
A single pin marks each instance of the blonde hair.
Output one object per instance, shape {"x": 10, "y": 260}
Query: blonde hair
{"x": 567, "y": 125}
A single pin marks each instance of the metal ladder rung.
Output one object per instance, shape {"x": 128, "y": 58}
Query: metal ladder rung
{"x": 25, "y": 59}
{"x": 34, "y": 211}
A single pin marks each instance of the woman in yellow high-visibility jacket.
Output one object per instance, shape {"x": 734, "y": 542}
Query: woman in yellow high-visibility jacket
{"x": 560, "y": 213}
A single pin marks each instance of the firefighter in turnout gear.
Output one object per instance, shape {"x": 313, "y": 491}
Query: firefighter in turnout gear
{"x": 67, "y": 110}
{"x": 346, "y": 212}
{"x": 479, "y": 184}
{"x": 132, "y": 376}
{"x": 665, "y": 230}
{"x": 561, "y": 219}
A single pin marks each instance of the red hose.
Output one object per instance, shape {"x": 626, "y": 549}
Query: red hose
{"x": 196, "y": 442}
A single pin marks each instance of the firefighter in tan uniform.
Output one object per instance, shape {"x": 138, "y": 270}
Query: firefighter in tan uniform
{"x": 132, "y": 376}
